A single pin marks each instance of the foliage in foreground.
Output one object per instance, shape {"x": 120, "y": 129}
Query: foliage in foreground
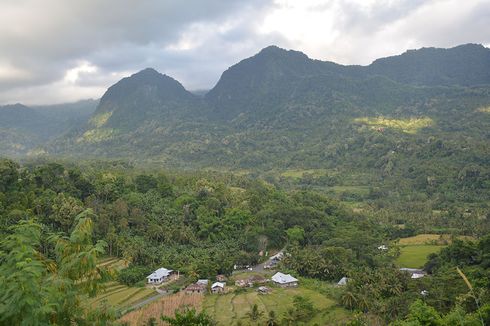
{"x": 41, "y": 288}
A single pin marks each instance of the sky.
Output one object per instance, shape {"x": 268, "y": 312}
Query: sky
{"x": 55, "y": 51}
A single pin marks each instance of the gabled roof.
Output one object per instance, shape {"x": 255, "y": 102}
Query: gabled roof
{"x": 159, "y": 273}
{"x": 218, "y": 284}
{"x": 196, "y": 287}
{"x": 204, "y": 282}
{"x": 283, "y": 278}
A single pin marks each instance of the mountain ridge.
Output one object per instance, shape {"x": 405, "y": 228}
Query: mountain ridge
{"x": 276, "y": 104}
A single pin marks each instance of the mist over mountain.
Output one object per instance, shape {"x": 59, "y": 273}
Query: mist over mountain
{"x": 25, "y": 128}
{"x": 276, "y": 107}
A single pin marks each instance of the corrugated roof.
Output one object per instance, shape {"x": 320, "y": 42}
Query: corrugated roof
{"x": 283, "y": 278}
{"x": 159, "y": 273}
{"x": 218, "y": 284}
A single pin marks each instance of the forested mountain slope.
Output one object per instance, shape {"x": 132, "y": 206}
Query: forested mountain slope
{"x": 280, "y": 109}
{"x": 23, "y": 129}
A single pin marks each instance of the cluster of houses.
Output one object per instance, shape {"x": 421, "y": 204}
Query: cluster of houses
{"x": 202, "y": 286}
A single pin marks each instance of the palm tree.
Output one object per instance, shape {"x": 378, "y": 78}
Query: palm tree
{"x": 189, "y": 317}
{"x": 271, "y": 321}
{"x": 289, "y": 318}
{"x": 254, "y": 313}
{"x": 348, "y": 299}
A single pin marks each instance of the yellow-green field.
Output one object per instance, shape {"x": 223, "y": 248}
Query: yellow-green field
{"x": 228, "y": 309}
{"x": 116, "y": 294}
{"x": 415, "y": 256}
{"x": 421, "y": 239}
{"x": 409, "y": 126}
{"x": 112, "y": 263}
{"x": 415, "y": 250}
{"x": 298, "y": 173}
{"x": 121, "y": 296}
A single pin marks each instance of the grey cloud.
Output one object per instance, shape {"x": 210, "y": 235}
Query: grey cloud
{"x": 41, "y": 40}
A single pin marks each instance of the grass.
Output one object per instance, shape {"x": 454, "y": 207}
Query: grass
{"x": 97, "y": 135}
{"x": 233, "y": 307}
{"x": 115, "y": 294}
{"x": 415, "y": 256}
{"x": 100, "y": 119}
{"x": 484, "y": 109}
{"x": 121, "y": 296}
{"x": 359, "y": 190}
{"x": 421, "y": 239}
{"x": 415, "y": 250}
{"x": 298, "y": 173}
{"x": 409, "y": 126}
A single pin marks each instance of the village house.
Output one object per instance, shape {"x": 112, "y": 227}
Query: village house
{"x": 159, "y": 276}
{"x": 284, "y": 280}
{"x": 196, "y": 288}
{"x": 203, "y": 281}
{"x": 251, "y": 281}
{"x": 218, "y": 287}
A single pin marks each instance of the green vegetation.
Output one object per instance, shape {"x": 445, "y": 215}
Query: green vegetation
{"x": 353, "y": 171}
{"x": 97, "y": 135}
{"x": 409, "y": 126}
{"x": 119, "y": 296}
{"x": 100, "y": 119}
{"x": 238, "y": 306}
{"x": 415, "y": 256}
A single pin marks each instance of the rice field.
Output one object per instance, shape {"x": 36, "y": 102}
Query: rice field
{"x": 167, "y": 306}
{"x": 232, "y": 308}
{"x": 119, "y": 295}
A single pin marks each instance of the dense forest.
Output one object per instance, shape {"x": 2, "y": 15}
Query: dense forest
{"x": 58, "y": 219}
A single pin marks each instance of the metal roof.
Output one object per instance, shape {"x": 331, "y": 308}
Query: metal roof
{"x": 283, "y": 278}
{"x": 159, "y": 273}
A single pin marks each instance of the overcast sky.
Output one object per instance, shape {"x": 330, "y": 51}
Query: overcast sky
{"x": 54, "y": 51}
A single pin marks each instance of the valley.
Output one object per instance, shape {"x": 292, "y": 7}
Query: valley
{"x": 368, "y": 174}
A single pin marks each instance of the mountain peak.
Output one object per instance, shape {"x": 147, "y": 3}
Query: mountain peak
{"x": 274, "y": 50}
{"x": 142, "y": 96}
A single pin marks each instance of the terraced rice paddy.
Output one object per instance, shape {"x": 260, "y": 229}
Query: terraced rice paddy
{"x": 230, "y": 308}
{"x": 119, "y": 295}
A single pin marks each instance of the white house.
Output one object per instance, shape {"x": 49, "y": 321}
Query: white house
{"x": 159, "y": 276}
{"x": 382, "y": 247}
{"x": 284, "y": 280}
{"x": 218, "y": 287}
{"x": 202, "y": 282}
{"x": 343, "y": 281}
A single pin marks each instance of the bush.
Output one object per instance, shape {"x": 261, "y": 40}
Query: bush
{"x": 133, "y": 275}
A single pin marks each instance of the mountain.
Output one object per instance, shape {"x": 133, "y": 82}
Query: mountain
{"x": 146, "y": 95}
{"x": 280, "y": 109}
{"x": 464, "y": 65}
{"x": 23, "y": 128}
{"x": 18, "y": 116}
{"x": 272, "y": 77}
